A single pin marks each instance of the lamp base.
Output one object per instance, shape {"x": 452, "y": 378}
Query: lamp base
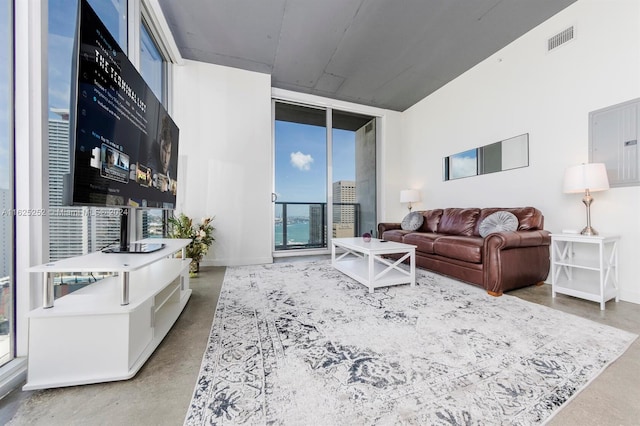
{"x": 587, "y": 200}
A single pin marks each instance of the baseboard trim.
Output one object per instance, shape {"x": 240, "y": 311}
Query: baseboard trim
{"x": 630, "y": 296}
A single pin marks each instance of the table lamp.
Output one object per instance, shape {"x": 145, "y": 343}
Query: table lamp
{"x": 409, "y": 196}
{"x": 587, "y": 178}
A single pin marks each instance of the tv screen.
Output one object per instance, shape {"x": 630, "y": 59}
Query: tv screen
{"x": 124, "y": 144}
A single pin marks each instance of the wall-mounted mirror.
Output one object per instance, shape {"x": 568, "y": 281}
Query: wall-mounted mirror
{"x": 508, "y": 154}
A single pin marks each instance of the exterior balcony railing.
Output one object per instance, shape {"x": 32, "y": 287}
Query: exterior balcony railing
{"x": 302, "y": 225}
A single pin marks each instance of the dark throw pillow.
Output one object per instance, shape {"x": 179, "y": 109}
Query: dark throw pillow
{"x": 412, "y": 221}
{"x": 498, "y": 222}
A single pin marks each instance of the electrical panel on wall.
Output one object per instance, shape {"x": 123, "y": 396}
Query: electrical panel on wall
{"x": 613, "y": 140}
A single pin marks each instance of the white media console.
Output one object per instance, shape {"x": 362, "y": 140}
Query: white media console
{"x": 107, "y": 330}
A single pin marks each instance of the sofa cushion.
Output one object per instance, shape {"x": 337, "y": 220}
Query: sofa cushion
{"x": 423, "y": 240}
{"x": 412, "y": 221}
{"x": 457, "y": 221}
{"x": 499, "y": 221}
{"x": 431, "y": 220}
{"x": 394, "y": 235}
{"x": 529, "y": 218}
{"x": 467, "y": 249}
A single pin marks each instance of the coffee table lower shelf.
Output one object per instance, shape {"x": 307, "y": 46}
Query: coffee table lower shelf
{"x": 359, "y": 271}
{"x": 366, "y": 263}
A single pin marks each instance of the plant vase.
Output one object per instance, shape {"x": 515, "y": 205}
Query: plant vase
{"x": 201, "y": 236}
{"x": 194, "y": 267}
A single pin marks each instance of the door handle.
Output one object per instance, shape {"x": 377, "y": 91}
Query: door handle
{"x": 274, "y": 197}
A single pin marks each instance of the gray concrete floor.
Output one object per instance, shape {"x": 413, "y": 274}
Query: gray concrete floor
{"x": 613, "y": 398}
{"x": 160, "y": 393}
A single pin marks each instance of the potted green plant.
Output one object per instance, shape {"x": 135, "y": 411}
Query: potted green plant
{"x": 201, "y": 236}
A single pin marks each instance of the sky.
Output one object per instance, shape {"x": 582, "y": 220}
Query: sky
{"x": 463, "y": 164}
{"x": 301, "y": 162}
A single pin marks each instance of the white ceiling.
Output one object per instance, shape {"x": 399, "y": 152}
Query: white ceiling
{"x": 383, "y": 53}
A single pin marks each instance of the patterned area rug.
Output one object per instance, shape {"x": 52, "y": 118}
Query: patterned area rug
{"x": 303, "y": 344}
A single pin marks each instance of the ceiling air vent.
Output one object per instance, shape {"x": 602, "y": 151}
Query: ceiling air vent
{"x": 560, "y": 39}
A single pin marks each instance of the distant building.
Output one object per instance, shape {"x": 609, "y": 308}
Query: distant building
{"x": 73, "y": 231}
{"x": 6, "y": 236}
{"x": 317, "y": 230}
{"x": 65, "y": 231}
{"x": 343, "y": 230}
{"x": 344, "y": 216}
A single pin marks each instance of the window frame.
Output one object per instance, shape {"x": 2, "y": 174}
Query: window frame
{"x": 163, "y": 67}
{"x": 11, "y": 140}
{"x": 147, "y": 22}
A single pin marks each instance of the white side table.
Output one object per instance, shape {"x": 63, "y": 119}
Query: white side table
{"x": 598, "y": 257}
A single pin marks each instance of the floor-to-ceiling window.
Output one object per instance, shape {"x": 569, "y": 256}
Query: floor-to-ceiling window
{"x": 152, "y": 63}
{"x": 78, "y": 230}
{"x": 7, "y": 226}
{"x": 83, "y": 229}
{"x": 154, "y": 71}
{"x": 314, "y": 167}
{"x": 300, "y": 148}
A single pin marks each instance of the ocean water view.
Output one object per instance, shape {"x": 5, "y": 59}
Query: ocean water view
{"x": 297, "y": 233}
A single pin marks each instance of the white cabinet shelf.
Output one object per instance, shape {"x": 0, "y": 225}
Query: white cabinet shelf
{"x": 592, "y": 265}
{"x": 90, "y": 336}
{"x": 597, "y": 258}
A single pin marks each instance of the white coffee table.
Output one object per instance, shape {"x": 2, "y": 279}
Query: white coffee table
{"x": 364, "y": 261}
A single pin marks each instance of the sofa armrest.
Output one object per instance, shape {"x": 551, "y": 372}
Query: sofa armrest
{"x": 507, "y": 240}
{"x": 515, "y": 259}
{"x": 387, "y": 227}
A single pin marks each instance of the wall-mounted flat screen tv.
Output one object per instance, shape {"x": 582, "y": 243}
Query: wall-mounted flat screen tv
{"x": 124, "y": 144}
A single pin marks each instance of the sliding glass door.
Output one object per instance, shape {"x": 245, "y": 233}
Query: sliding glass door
{"x": 324, "y": 176}
{"x": 300, "y": 147}
{"x": 353, "y": 174}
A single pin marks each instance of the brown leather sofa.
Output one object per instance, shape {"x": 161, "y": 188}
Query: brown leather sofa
{"x": 449, "y": 243}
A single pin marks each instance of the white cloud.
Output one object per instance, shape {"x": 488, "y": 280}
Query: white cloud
{"x": 301, "y": 161}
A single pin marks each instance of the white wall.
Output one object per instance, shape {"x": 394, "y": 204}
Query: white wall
{"x": 224, "y": 116}
{"x": 525, "y": 89}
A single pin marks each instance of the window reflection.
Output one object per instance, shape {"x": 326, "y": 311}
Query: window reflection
{"x": 152, "y": 69}
{"x": 113, "y": 14}
{"x": 463, "y": 164}
{"x": 151, "y": 63}
{"x": 508, "y": 154}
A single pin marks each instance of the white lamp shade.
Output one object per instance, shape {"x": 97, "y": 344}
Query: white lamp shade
{"x": 591, "y": 176}
{"x": 409, "y": 195}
